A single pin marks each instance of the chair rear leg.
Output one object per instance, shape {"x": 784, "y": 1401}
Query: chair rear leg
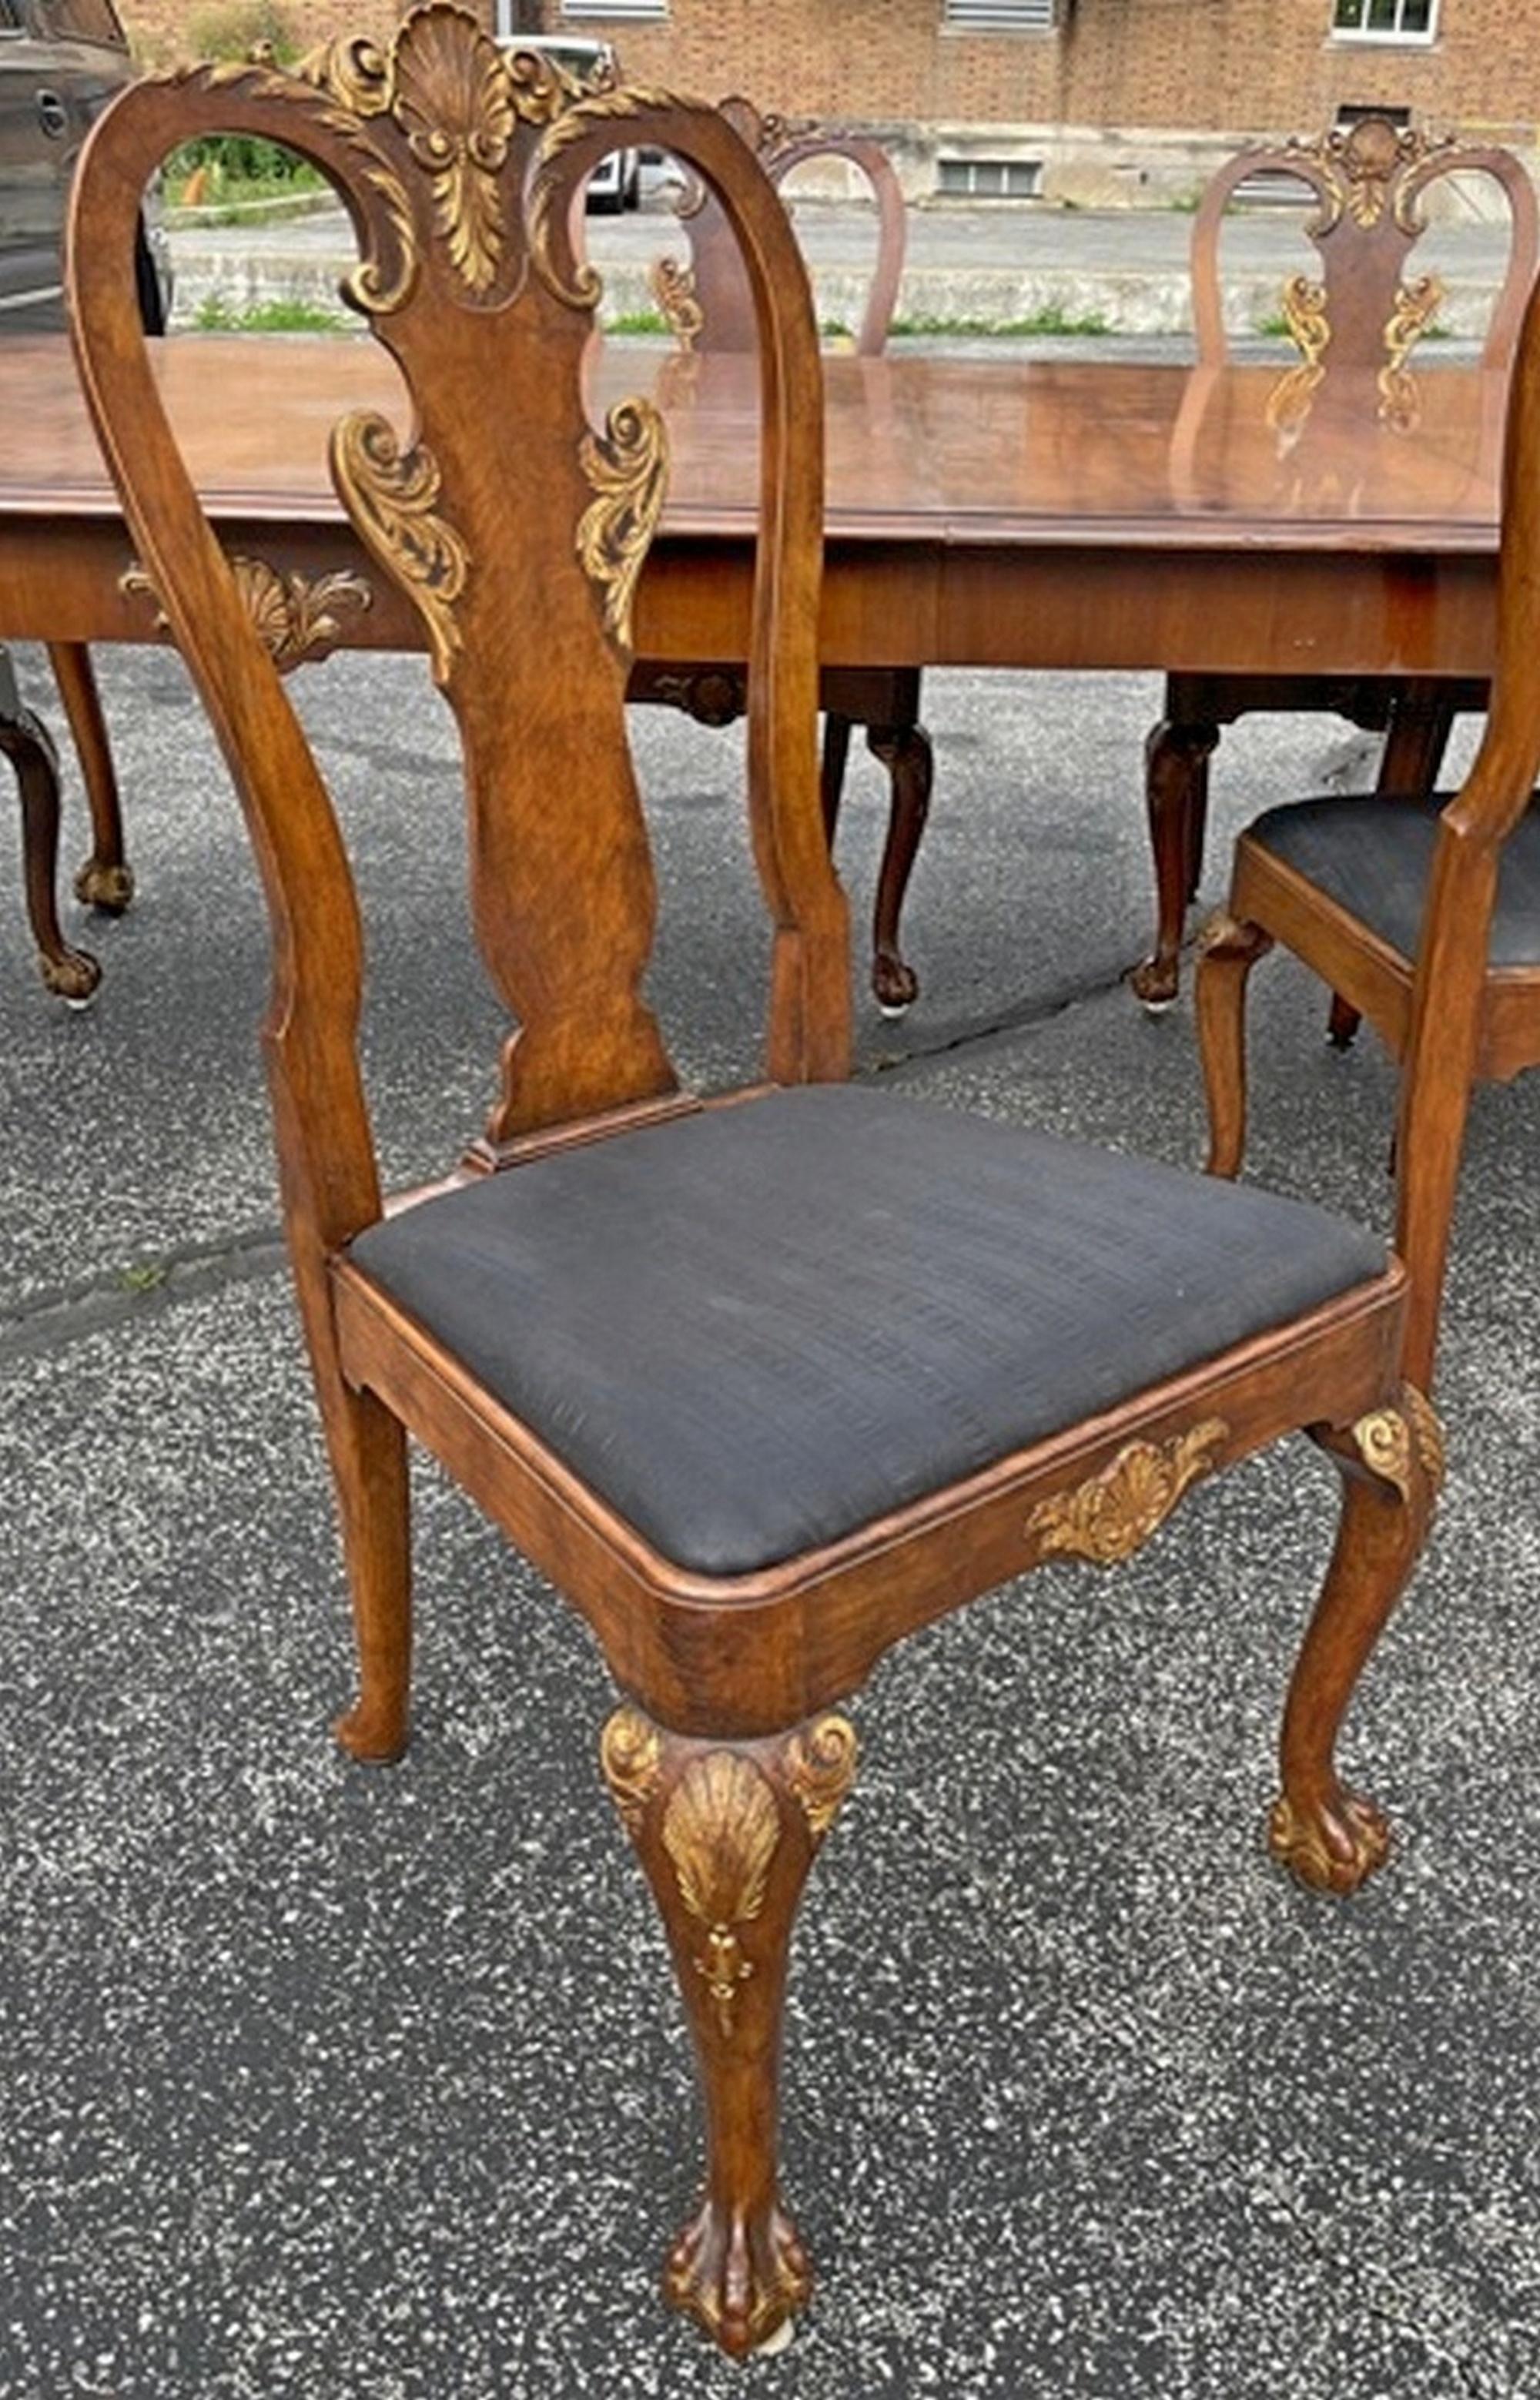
{"x": 1228, "y": 949}
{"x": 71, "y": 975}
{"x": 368, "y": 1453}
{"x": 105, "y": 880}
{"x": 1392, "y": 1466}
{"x": 726, "y": 1831}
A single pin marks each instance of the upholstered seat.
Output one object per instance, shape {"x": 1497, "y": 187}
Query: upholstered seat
{"x": 752, "y": 1329}
{"x": 1373, "y": 856}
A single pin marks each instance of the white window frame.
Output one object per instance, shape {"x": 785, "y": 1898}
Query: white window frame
{"x": 626, "y": 12}
{"x": 1000, "y": 15}
{"x": 1398, "y": 35}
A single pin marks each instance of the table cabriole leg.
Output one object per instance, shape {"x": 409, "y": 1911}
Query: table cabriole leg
{"x": 71, "y": 975}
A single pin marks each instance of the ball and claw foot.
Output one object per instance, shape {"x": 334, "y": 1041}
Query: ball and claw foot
{"x": 742, "y": 2282}
{"x": 1156, "y": 982}
{"x": 107, "y": 888}
{"x": 895, "y": 985}
{"x": 372, "y": 1735}
{"x": 71, "y": 976}
{"x": 1332, "y": 1847}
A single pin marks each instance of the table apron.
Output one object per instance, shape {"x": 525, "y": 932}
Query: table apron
{"x": 1327, "y": 609}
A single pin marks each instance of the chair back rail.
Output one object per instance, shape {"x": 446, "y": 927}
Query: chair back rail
{"x": 458, "y": 168}
{"x": 709, "y": 303}
{"x": 1369, "y": 181}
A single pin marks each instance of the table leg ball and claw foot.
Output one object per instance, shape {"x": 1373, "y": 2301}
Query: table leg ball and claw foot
{"x": 727, "y": 1833}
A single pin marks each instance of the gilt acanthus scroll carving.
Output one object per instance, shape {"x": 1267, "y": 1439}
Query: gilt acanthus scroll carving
{"x": 1113, "y": 1513}
{"x": 672, "y": 284}
{"x": 393, "y": 500}
{"x": 631, "y": 1752}
{"x": 297, "y": 617}
{"x": 627, "y": 470}
{"x": 1387, "y": 1440}
{"x": 820, "y": 1763}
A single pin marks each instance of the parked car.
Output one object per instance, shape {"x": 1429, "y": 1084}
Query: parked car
{"x": 61, "y": 61}
{"x": 616, "y": 181}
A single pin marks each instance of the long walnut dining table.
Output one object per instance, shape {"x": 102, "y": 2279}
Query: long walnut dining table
{"x": 981, "y": 511}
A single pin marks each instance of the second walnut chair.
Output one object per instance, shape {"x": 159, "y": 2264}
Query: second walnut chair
{"x": 1422, "y": 911}
{"x": 1355, "y": 330}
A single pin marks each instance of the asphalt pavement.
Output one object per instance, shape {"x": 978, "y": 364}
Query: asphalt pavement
{"x": 330, "y": 2084}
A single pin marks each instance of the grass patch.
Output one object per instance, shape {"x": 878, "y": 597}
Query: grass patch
{"x": 1049, "y": 319}
{"x": 637, "y": 320}
{"x": 214, "y": 315}
{"x": 147, "y": 1277}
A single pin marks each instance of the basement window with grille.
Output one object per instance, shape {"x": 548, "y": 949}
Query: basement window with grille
{"x": 990, "y": 179}
{"x": 1384, "y": 20}
{"x": 1000, "y": 15}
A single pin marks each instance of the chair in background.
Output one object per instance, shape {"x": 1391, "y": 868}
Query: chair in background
{"x": 1421, "y": 911}
{"x": 709, "y": 307}
{"x": 1361, "y": 319}
{"x": 761, "y": 1384}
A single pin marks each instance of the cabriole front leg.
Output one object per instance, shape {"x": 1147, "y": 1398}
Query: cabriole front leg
{"x": 1392, "y": 1466}
{"x": 727, "y": 1833}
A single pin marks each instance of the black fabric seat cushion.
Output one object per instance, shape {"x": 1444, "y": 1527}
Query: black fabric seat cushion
{"x": 755, "y": 1329}
{"x": 1374, "y": 856}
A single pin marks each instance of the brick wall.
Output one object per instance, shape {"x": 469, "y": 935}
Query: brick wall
{"x": 1117, "y": 71}
{"x": 158, "y": 28}
{"x": 1231, "y": 67}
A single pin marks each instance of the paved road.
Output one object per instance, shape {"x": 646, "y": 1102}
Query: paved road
{"x": 964, "y": 265}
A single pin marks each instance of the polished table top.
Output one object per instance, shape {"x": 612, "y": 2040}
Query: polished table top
{"x": 943, "y": 474}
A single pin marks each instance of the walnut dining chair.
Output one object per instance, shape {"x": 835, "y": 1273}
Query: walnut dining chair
{"x": 762, "y": 1383}
{"x": 1419, "y": 911}
{"x": 708, "y": 306}
{"x": 1354, "y": 329}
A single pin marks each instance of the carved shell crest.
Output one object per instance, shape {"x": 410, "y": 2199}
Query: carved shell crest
{"x": 453, "y": 102}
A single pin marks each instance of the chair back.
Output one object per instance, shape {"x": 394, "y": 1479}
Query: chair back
{"x": 1369, "y": 181}
{"x": 708, "y": 303}
{"x": 517, "y": 530}
{"x": 1450, "y": 994}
